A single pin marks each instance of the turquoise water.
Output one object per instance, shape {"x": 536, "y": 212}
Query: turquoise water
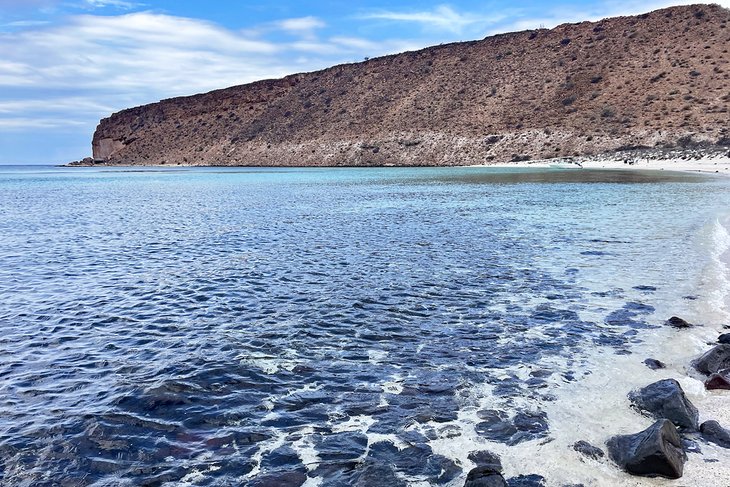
{"x": 326, "y": 326}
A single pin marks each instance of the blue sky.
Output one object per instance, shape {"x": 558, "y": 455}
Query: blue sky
{"x": 64, "y": 64}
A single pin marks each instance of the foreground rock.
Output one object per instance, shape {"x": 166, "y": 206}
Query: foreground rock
{"x": 655, "y": 452}
{"x": 485, "y": 477}
{"x": 714, "y": 433}
{"x": 714, "y": 361}
{"x": 665, "y": 399}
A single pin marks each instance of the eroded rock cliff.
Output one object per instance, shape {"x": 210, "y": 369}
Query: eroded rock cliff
{"x": 659, "y": 79}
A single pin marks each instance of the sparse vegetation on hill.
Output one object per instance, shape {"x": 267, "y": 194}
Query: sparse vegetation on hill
{"x": 660, "y": 79}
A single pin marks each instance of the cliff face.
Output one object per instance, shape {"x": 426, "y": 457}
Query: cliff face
{"x": 661, "y": 78}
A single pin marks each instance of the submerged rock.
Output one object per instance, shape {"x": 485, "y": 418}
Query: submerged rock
{"x": 717, "y": 381}
{"x": 715, "y": 360}
{"x": 486, "y": 458}
{"x": 724, "y": 338}
{"x": 286, "y": 479}
{"x": 527, "y": 481}
{"x": 485, "y": 477}
{"x": 654, "y": 364}
{"x": 665, "y": 399}
{"x": 588, "y": 450}
{"x": 714, "y": 433}
{"x": 656, "y": 451}
{"x": 526, "y": 425}
{"x": 677, "y": 322}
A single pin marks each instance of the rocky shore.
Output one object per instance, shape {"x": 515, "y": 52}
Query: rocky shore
{"x": 657, "y": 451}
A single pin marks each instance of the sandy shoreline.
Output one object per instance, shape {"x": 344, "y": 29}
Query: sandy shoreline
{"x": 717, "y": 165}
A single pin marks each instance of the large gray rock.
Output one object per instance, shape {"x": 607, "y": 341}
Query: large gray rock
{"x": 655, "y": 452}
{"x": 485, "y": 477}
{"x": 714, "y": 433}
{"x": 665, "y": 399}
{"x": 714, "y": 361}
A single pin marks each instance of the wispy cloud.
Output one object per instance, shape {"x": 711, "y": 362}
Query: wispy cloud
{"x": 561, "y": 14}
{"x": 26, "y": 23}
{"x": 442, "y": 17}
{"x": 123, "y": 4}
{"x": 302, "y": 25}
{"x": 92, "y": 65}
{"x": 24, "y": 123}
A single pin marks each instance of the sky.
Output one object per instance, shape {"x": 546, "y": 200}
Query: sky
{"x": 65, "y": 64}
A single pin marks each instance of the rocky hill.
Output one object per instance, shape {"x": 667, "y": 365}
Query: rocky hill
{"x": 656, "y": 80}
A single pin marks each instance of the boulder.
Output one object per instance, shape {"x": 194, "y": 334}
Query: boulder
{"x": 718, "y": 381}
{"x": 655, "y": 452}
{"x": 484, "y": 477}
{"x": 714, "y": 361}
{"x": 665, "y": 399}
{"x": 724, "y": 338}
{"x": 588, "y": 450}
{"x": 677, "y": 322}
{"x": 714, "y": 433}
{"x": 654, "y": 364}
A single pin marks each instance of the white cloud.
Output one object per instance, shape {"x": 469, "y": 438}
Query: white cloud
{"x": 91, "y": 65}
{"x": 303, "y": 25}
{"x": 558, "y": 14}
{"x": 24, "y": 123}
{"x": 442, "y": 17}
{"x": 111, "y": 3}
{"x": 26, "y": 23}
{"x": 61, "y": 105}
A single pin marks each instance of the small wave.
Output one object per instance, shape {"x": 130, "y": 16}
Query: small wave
{"x": 718, "y": 275}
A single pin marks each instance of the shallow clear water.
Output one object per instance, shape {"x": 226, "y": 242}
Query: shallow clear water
{"x": 329, "y": 326}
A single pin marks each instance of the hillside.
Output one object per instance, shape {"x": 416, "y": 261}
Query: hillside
{"x": 658, "y": 80}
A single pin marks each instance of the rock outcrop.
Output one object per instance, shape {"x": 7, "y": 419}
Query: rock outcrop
{"x": 654, "y": 80}
{"x": 655, "y": 452}
{"x": 665, "y": 399}
{"x": 715, "y": 361}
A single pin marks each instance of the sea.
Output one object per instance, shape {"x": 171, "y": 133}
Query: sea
{"x": 350, "y": 327}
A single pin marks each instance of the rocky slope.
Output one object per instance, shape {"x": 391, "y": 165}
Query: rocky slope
{"x": 656, "y": 80}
